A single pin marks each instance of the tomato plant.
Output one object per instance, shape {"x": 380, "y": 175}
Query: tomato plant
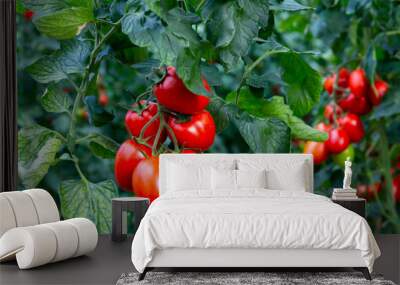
{"x": 214, "y": 76}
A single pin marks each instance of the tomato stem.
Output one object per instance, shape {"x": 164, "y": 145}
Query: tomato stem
{"x": 148, "y": 123}
{"x": 158, "y": 135}
{"x": 173, "y": 137}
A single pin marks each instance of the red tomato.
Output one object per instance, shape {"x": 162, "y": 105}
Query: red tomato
{"x": 328, "y": 111}
{"x": 103, "y": 100}
{"x": 135, "y": 121}
{"x": 396, "y": 188}
{"x": 28, "y": 14}
{"x": 358, "y": 82}
{"x": 145, "y": 182}
{"x": 197, "y": 133}
{"x": 323, "y": 127}
{"x": 356, "y": 105}
{"x": 342, "y": 81}
{"x": 129, "y": 154}
{"x": 328, "y": 84}
{"x": 381, "y": 89}
{"x": 338, "y": 140}
{"x": 173, "y": 94}
{"x": 353, "y": 126}
{"x": 318, "y": 150}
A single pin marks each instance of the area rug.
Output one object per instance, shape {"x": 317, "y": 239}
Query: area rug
{"x": 243, "y": 278}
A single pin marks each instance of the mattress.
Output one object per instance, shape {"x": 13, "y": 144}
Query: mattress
{"x": 250, "y": 219}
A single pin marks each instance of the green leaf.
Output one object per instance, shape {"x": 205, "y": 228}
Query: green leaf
{"x": 276, "y": 108}
{"x": 221, "y": 111}
{"x": 160, "y": 7}
{"x": 370, "y": 62}
{"x": 144, "y": 28}
{"x": 98, "y": 116}
{"x": 212, "y": 74}
{"x": 224, "y": 20}
{"x": 288, "y": 5}
{"x": 82, "y": 198}
{"x": 43, "y": 7}
{"x": 147, "y": 67}
{"x": 235, "y": 31}
{"x": 102, "y": 146}
{"x": 180, "y": 24}
{"x": 257, "y": 9}
{"x": 19, "y": 7}
{"x": 264, "y": 80}
{"x": 328, "y": 24}
{"x": 355, "y": 5}
{"x": 304, "y": 84}
{"x": 54, "y": 100}
{"x": 64, "y": 24}
{"x": 37, "y": 148}
{"x": 388, "y": 108}
{"x": 188, "y": 69}
{"x": 264, "y": 135}
{"x": 69, "y": 59}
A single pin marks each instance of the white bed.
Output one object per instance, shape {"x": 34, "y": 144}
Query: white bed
{"x": 197, "y": 224}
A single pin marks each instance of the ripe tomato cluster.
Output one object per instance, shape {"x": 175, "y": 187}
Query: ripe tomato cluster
{"x": 177, "y": 114}
{"x": 352, "y": 96}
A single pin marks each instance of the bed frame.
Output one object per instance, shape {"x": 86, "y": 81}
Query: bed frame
{"x": 250, "y": 259}
{"x": 246, "y": 259}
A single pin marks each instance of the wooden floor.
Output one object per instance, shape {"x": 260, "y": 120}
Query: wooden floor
{"x": 110, "y": 260}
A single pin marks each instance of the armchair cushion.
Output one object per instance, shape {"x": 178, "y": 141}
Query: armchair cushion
{"x": 40, "y": 244}
{"x": 31, "y": 231}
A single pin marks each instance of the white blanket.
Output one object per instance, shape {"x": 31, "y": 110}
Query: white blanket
{"x": 250, "y": 219}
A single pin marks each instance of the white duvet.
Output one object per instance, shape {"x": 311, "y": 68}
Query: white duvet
{"x": 250, "y": 219}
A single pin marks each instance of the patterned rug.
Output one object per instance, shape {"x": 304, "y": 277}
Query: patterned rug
{"x": 243, "y": 278}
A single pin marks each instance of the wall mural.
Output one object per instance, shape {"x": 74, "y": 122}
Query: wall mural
{"x": 106, "y": 86}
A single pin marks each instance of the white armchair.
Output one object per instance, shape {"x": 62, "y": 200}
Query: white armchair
{"x": 31, "y": 230}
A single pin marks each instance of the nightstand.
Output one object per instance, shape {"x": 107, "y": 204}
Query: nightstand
{"x": 357, "y": 205}
{"x": 120, "y": 206}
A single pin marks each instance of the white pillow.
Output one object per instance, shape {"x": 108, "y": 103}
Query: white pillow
{"x": 288, "y": 174}
{"x": 251, "y": 178}
{"x": 227, "y": 179}
{"x": 223, "y": 179}
{"x": 278, "y": 180}
{"x": 183, "y": 177}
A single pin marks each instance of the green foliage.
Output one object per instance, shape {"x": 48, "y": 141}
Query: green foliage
{"x": 303, "y": 83}
{"x": 64, "y": 24}
{"x": 53, "y": 100}
{"x": 98, "y": 116}
{"x": 69, "y": 59}
{"x": 61, "y": 19}
{"x": 102, "y": 146}
{"x": 276, "y": 108}
{"x": 264, "y": 135}
{"x": 288, "y": 5}
{"x": 81, "y": 198}
{"x": 254, "y": 54}
{"x": 37, "y": 149}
